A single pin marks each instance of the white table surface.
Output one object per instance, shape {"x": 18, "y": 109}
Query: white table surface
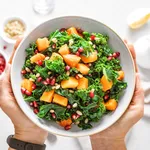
{"x": 110, "y": 12}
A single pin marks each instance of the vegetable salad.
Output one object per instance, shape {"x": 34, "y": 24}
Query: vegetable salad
{"x": 72, "y": 77}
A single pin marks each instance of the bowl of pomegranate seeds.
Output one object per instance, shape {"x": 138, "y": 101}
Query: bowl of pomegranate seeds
{"x": 2, "y": 63}
{"x": 74, "y": 77}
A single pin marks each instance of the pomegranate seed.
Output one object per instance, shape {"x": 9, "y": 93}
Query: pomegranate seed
{"x": 31, "y": 104}
{"x": 80, "y": 31}
{"x": 54, "y": 46}
{"x": 118, "y": 54}
{"x": 74, "y": 116}
{"x": 40, "y": 62}
{"x": 80, "y": 49}
{"x": 23, "y": 90}
{"x": 48, "y": 80}
{"x": 45, "y": 82}
{"x": 78, "y": 53}
{"x": 39, "y": 79}
{"x": 34, "y": 86}
{"x": 52, "y": 82}
{"x": 28, "y": 93}
{"x": 92, "y": 37}
{"x": 107, "y": 92}
{"x": 69, "y": 106}
{"x": 67, "y": 68}
{"x": 36, "y": 111}
{"x": 91, "y": 94}
{"x": 62, "y": 29}
{"x": 4, "y": 47}
{"x": 36, "y": 51}
{"x": 23, "y": 72}
{"x": 110, "y": 58}
{"x": 114, "y": 55}
{"x": 35, "y": 104}
{"x": 53, "y": 115}
{"x": 68, "y": 127}
{"x": 106, "y": 97}
{"x": 2, "y": 61}
{"x": 77, "y": 77}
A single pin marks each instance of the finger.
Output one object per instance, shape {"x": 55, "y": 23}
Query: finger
{"x": 138, "y": 97}
{"x": 131, "y": 48}
{"x": 15, "y": 47}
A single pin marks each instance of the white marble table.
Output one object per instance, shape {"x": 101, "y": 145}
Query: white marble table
{"x": 112, "y": 13}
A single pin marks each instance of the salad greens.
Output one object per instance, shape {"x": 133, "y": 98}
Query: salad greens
{"x": 49, "y": 84}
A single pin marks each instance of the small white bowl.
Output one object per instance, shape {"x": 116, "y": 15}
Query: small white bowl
{"x": 89, "y": 25}
{"x": 5, "y": 57}
{"x": 3, "y": 34}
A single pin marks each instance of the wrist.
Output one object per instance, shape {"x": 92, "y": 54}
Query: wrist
{"x": 106, "y": 143}
{"x": 32, "y": 136}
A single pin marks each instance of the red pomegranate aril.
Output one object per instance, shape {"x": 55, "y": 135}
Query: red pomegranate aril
{"x": 74, "y": 116}
{"x": 62, "y": 29}
{"x": 4, "y": 47}
{"x": 23, "y": 90}
{"x": 36, "y": 111}
{"x": 80, "y": 49}
{"x": 36, "y": 51}
{"x": 23, "y": 72}
{"x": 31, "y": 104}
{"x": 48, "y": 80}
{"x": 35, "y": 104}
{"x": 34, "y": 86}
{"x": 40, "y": 62}
{"x": 78, "y": 53}
{"x": 108, "y": 91}
{"x": 68, "y": 127}
{"x": 2, "y": 61}
{"x": 45, "y": 82}
{"x": 39, "y": 79}
{"x": 106, "y": 97}
{"x": 80, "y": 31}
{"x": 77, "y": 77}
{"x": 67, "y": 68}
{"x": 28, "y": 93}
{"x": 118, "y": 54}
{"x": 114, "y": 55}
{"x": 54, "y": 46}
{"x": 110, "y": 58}
{"x": 53, "y": 80}
{"x": 91, "y": 94}
{"x": 53, "y": 115}
{"x": 69, "y": 106}
{"x": 92, "y": 37}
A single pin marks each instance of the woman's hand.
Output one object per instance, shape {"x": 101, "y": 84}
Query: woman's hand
{"x": 113, "y": 137}
{"x": 25, "y": 129}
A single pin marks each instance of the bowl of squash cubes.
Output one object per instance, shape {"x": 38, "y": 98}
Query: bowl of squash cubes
{"x": 73, "y": 76}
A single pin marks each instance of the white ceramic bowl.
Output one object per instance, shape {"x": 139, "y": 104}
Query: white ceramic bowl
{"x": 88, "y": 25}
{"x": 2, "y": 33}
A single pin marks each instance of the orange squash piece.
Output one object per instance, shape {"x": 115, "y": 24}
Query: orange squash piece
{"x": 37, "y": 57}
{"x": 111, "y": 104}
{"x": 47, "y": 96}
{"x": 105, "y": 83}
{"x": 64, "y": 50}
{"x": 70, "y": 83}
{"x": 58, "y": 99}
{"x": 42, "y": 44}
{"x": 83, "y": 83}
{"x": 83, "y": 68}
{"x": 27, "y": 84}
{"x": 72, "y": 30}
{"x": 89, "y": 59}
{"x": 55, "y": 56}
{"x": 121, "y": 75}
{"x": 64, "y": 123}
{"x": 71, "y": 60}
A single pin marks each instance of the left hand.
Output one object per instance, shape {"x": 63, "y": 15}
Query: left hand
{"x": 25, "y": 129}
